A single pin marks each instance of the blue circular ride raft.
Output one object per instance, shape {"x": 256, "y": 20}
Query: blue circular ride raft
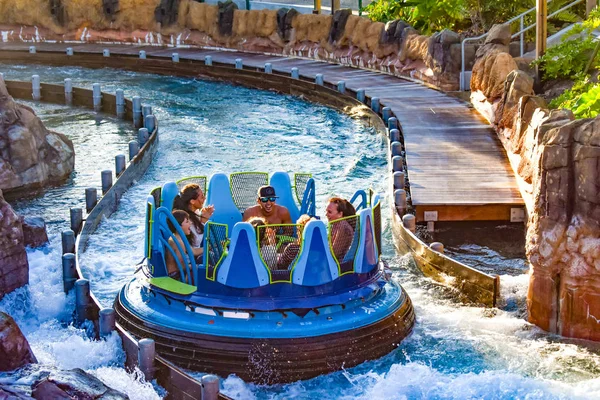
{"x": 271, "y": 303}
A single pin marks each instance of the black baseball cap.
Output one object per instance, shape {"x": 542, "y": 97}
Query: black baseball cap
{"x": 266, "y": 191}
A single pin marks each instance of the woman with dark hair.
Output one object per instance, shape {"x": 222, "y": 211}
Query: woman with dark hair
{"x": 191, "y": 199}
{"x": 183, "y": 220}
{"x": 341, "y": 231}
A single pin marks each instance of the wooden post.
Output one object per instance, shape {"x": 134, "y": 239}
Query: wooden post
{"x": 335, "y": 5}
{"x": 541, "y": 34}
{"x": 589, "y": 6}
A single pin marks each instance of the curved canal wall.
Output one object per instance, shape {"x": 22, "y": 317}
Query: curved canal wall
{"x": 557, "y": 162}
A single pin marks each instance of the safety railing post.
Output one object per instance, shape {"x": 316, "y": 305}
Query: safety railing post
{"x": 589, "y": 6}
{"x": 359, "y": 8}
{"x": 522, "y": 36}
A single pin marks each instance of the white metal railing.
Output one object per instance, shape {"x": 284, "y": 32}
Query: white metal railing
{"x": 520, "y": 34}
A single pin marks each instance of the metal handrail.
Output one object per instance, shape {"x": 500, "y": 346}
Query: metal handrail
{"x": 521, "y": 34}
{"x": 522, "y": 31}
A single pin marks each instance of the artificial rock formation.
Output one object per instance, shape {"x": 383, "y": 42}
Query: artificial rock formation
{"x": 14, "y": 348}
{"x": 73, "y": 384}
{"x": 14, "y": 268}
{"x": 557, "y": 163}
{"x": 30, "y": 155}
{"x": 343, "y": 38}
{"x": 34, "y": 231}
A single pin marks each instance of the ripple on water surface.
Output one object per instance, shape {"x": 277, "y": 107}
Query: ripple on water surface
{"x": 454, "y": 352}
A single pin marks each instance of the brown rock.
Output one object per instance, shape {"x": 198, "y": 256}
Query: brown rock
{"x": 225, "y": 17}
{"x": 499, "y": 34}
{"x": 516, "y": 85}
{"x": 490, "y": 72}
{"x": 338, "y": 25}
{"x": 75, "y": 383}
{"x": 312, "y": 28}
{"x": 394, "y": 32}
{"x": 284, "y": 22}
{"x": 34, "y": 232}
{"x": 415, "y": 47}
{"x": 564, "y": 234}
{"x": 440, "y": 58}
{"x": 14, "y": 348}
{"x": 14, "y": 268}
{"x": 30, "y": 155}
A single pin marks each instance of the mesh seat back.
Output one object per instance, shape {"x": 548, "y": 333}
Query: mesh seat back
{"x": 244, "y": 186}
{"x": 199, "y": 180}
{"x": 283, "y": 188}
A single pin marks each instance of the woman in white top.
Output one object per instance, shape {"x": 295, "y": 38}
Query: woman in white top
{"x": 191, "y": 199}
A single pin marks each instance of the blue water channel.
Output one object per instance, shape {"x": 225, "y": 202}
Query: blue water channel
{"x": 454, "y": 352}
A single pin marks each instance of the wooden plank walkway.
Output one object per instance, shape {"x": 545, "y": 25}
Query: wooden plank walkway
{"x": 457, "y": 167}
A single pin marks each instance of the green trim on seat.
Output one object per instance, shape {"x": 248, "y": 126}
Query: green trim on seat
{"x": 172, "y": 285}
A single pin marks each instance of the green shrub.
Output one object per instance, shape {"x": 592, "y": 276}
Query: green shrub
{"x": 471, "y": 16}
{"x": 428, "y": 16}
{"x": 568, "y": 59}
{"x": 583, "y": 98}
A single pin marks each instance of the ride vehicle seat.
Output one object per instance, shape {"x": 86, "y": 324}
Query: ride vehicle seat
{"x": 219, "y": 195}
{"x": 283, "y": 188}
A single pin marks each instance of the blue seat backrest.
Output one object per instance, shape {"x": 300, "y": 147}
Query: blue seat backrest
{"x": 366, "y": 255}
{"x": 243, "y": 267}
{"x": 316, "y": 266}
{"x": 170, "y": 190}
{"x": 219, "y": 195}
{"x": 283, "y": 188}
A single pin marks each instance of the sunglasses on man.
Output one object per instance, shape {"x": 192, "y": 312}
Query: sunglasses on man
{"x": 265, "y": 199}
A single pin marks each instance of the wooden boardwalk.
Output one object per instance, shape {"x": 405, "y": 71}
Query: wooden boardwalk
{"x": 457, "y": 167}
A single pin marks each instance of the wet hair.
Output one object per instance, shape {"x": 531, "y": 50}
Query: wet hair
{"x": 343, "y": 206}
{"x": 179, "y": 216}
{"x": 190, "y": 192}
{"x": 257, "y": 222}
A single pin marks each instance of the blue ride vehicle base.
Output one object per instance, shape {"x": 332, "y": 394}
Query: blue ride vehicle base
{"x": 239, "y": 311}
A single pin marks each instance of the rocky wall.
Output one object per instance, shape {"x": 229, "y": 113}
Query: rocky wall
{"x": 343, "y": 38}
{"x": 30, "y": 155}
{"x": 14, "y": 268}
{"x": 557, "y": 163}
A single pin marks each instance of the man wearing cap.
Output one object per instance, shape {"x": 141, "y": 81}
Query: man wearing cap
{"x": 267, "y": 209}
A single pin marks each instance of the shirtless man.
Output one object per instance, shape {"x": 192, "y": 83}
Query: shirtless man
{"x": 267, "y": 209}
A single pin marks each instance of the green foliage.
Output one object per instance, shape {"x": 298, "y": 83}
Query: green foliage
{"x": 569, "y": 97}
{"x": 588, "y": 104}
{"x": 428, "y": 16}
{"x": 583, "y": 98}
{"x": 569, "y": 59}
{"x": 472, "y": 16}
